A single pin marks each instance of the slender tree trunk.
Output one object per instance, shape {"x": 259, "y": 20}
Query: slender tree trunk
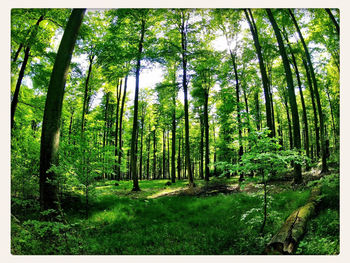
{"x": 280, "y": 130}
{"x": 184, "y": 85}
{"x": 305, "y": 120}
{"x": 214, "y": 149}
{"x": 17, "y": 52}
{"x": 240, "y": 151}
{"x": 317, "y": 131}
{"x": 70, "y": 126}
{"x": 333, "y": 20}
{"x": 319, "y": 107}
{"x": 206, "y": 130}
{"x": 335, "y": 135}
{"x": 14, "y": 101}
{"x": 116, "y": 149}
{"x": 179, "y": 160}
{"x": 154, "y": 155}
{"x": 120, "y": 154}
{"x": 164, "y": 152}
{"x": 264, "y": 77}
{"x": 141, "y": 140}
{"x": 291, "y": 95}
{"x": 257, "y": 109}
{"x": 168, "y": 159}
{"x": 201, "y": 147}
{"x": 184, "y": 153}
{"x": 105, "y": 135}
{"x": 52, "y": 114}
{"x": 135, "y": 122}
{"x": 173, "y": 142}
{"x": 246, "y": 109}
{"x": 148, "y": 149}
{"x": 86, "y": 90}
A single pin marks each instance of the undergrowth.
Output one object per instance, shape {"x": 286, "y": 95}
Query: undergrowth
{"x": 124, "y": 222}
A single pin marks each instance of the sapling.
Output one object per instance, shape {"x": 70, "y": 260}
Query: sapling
{"x": 265, "y": 158}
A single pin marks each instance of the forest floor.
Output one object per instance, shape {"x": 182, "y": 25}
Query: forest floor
{"x": 223, "y": 217}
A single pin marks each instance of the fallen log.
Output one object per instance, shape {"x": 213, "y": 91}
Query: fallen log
{"x": 293, "y": 229}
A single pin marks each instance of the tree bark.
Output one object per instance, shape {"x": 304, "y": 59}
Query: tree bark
{"x": 121, "y": 128}
{"x": 201, "y": 147}
{"x": 206, "y": 131}
{"x": 154, "y": 155}
{"x": 173, "y": 142}
{"x": 86, "y": 90}
{"x": 141, "y": 140}
{"x": 317, "y": 133}
{"x": 293, "y": 229}
{"x": 319, "y": 107}
{"x": 14, "y": 101}
{"x": 116, "y": 149}
{"x": 305, "y": 121}
{"x": 291, "y": 94}
{"x": 184, "y": 85}
{"x": 148, "y": 150}
{"x": 333, "y": 20}
{"x": 264, "y": 77}
{"x": 179, "y": 160}
{"x": 53, "y": 110}
{"x": 135, "y": 122}
{"x": 164, "y": 152}
{"x": 17, "y": 53}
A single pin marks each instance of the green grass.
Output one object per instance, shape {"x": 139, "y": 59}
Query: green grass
{"x": 133, "y": 223}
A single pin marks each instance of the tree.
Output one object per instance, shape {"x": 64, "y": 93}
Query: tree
{"x": 291, "y": 94}
{"x": 52, "y": 114}
{"x": 264, "y": 77}
{"x": 315, "y": 89}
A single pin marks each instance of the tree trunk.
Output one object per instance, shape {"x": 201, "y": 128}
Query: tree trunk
{"x": 164, "y": 152}
{"x": 173, "y": 142}
{"x": 264, "y": 78}
{"x": 53, "y": 110}
{"x": 17, "y": 53}
{"x": 148, "y": 149}
{"x": 154, "y": 155}
{"x": 291, "y": 94}
{"x": 70, "y": 126}
{"x": 116, "y": 150}
{"x": 179, "y": 160}
{"x": 317, "y": 133}
{"x": 257, "y": 109}
{"x": 295, "y": 65}
{"x": 240, "y": 151}
{"x": 84, "y": 111}
{"x": 184, "y": 85}
{"x": 319, "y": 107}
{"x": 206, "y": 131}
{"x": 335, "y": 134}
{"x": 105, "y": 135}
{"x": 135, "y": 122}
{"x": 333, "y": 20}
{"x": 141, "y": 140}
{"x": 121, "y": 128}
{"x": 214, "y": 150}
{"x": 168, "y": 158}
{"x": 201, "y": 147}
{"x": 14, "y": 101}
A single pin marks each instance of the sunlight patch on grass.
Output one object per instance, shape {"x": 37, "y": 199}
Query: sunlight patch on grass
{"x": 165, "y": 191}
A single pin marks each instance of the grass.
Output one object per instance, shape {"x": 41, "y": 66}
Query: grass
{"x": 135, "y": 223}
